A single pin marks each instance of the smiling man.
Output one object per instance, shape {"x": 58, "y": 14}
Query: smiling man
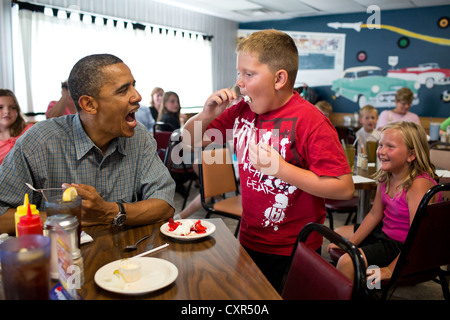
{"x": 102, "y": 151}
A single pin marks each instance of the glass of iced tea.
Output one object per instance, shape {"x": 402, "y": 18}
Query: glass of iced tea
{"x": 26, "y": 267}
{"x": 56, "y": 205}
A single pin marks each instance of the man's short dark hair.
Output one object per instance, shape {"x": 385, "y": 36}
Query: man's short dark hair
{"x": 86, "y": 77}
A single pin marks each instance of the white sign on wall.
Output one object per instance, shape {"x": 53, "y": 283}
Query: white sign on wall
{"x": 321, "y": 56}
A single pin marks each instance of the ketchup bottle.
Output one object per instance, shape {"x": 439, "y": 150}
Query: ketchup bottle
{"x": 22, "y": 211}
{"x": 29, "y": 224}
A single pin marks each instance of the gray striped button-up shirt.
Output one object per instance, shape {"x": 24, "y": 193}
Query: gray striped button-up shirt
{"x": 58, "y": 151}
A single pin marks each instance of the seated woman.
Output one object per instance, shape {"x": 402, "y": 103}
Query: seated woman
{"x": 403, "y": 101}
{"x": 170, "y": 119}
{"x": 170, "y": 113}
{"x": 12, "y": 123}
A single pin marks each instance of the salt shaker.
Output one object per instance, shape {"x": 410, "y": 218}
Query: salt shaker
{"x": 79, "y": 262}
{"x": 69, "y": 223}
{"x": 363, "y": 161}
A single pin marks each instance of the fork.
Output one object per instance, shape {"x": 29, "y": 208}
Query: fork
{"x": 40, "y": 190}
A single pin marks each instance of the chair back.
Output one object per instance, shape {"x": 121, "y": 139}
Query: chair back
{"x": 311, "y": 277}
{"x": 440, "y": 155}
{"x": 217, "y": 172}
{"x": 427, "y": 245}
{"x": 162, "y": 142}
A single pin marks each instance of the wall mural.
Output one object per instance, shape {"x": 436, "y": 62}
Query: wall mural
{"x": 321, "y": 55}
{"x": 389, "y": 50}
{"x": 367, "y": 85}
{"x": 358, "y": 25}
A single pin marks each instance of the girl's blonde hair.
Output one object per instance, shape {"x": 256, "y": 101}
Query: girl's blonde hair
{"x": 20, "y": 123}
{"x": 415, "y": 138}
{"x": 155, "y": 90}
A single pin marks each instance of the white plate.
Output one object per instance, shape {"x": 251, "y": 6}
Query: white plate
{"x": 210, "y": 228}
{"x": 155, "y": 274}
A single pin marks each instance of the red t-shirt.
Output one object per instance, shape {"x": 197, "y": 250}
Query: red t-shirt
{"x": 274, "y": 211}
{"x": 52, "y": 104}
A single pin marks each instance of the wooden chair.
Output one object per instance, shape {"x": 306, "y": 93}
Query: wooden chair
{"x": 217, "y": 178}
{"x": 426, "y": 248}
{"x": 311, "y": 277}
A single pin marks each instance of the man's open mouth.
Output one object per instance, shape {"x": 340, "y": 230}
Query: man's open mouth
{"x": 131, "y": 117}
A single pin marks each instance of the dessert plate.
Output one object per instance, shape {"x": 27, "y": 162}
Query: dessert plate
{"x": 210, "y": 228}
{"x": 155, "y": 274}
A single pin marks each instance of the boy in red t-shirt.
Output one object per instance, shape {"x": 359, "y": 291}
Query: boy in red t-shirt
{"x": 289, "y": 154}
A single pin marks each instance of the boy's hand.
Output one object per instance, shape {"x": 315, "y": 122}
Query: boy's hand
{"x": 218, "y": 102}
{"x": 264, "y": 158}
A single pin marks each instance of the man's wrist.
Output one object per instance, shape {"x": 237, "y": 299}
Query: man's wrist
{"x": 111, "y": 212}
{"x": 121, "y": 216}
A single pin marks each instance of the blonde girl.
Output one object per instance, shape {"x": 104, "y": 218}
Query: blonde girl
{"x": 405, "y": 175}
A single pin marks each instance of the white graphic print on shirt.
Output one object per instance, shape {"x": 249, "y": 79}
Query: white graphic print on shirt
{"x": 244, "y": 131}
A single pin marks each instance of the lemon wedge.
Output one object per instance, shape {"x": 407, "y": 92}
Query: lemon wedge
{"x": 69, "y": 194}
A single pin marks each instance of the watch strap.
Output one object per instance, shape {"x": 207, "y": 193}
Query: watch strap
{"x": 121, "y": 216}
{"x": 121, "y": 208}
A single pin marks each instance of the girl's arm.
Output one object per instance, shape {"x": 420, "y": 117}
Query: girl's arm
{"x": 385, "y": 273}
{"x": 371, "y": 220}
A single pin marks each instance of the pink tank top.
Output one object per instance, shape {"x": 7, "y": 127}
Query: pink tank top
{"x": 396, "y": 214}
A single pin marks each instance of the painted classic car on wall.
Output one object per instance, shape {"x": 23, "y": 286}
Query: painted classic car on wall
{"x": 428, "y": 74}
{"x": 367, "y": 85}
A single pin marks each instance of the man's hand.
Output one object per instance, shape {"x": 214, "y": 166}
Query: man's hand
{"x": 95, "y": 210}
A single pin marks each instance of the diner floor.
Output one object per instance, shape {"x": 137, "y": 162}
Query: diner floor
{"x": 424, "y": 291}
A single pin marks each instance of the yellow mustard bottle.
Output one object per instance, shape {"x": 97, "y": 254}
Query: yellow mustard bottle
{"x": 22, "y": 211}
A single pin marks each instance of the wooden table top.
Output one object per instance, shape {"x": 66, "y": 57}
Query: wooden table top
{"x": 216, "y": 267}
{"x": 366, "y": 174}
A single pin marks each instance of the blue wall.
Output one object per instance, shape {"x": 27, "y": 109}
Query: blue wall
{"x": 379, "y": 44}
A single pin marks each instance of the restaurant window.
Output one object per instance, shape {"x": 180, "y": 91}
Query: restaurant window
{"x": 47, "y": 42}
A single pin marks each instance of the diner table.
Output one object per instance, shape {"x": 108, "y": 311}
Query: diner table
{"x": 362, "y": 179}
{"x": 215, "y": 267}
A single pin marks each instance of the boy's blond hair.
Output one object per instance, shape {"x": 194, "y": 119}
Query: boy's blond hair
{"x": 367, "y": 108}
{"x": 274, "y": 48}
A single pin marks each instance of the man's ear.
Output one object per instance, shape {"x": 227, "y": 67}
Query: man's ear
{"x": 281, "y": 78}
{"x": 88, "y": 104}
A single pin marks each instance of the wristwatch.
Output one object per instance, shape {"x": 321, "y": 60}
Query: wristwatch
{"x": 120, "y": 218}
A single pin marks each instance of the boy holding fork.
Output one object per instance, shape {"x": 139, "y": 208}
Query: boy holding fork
{"x": 289, "y": 154}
